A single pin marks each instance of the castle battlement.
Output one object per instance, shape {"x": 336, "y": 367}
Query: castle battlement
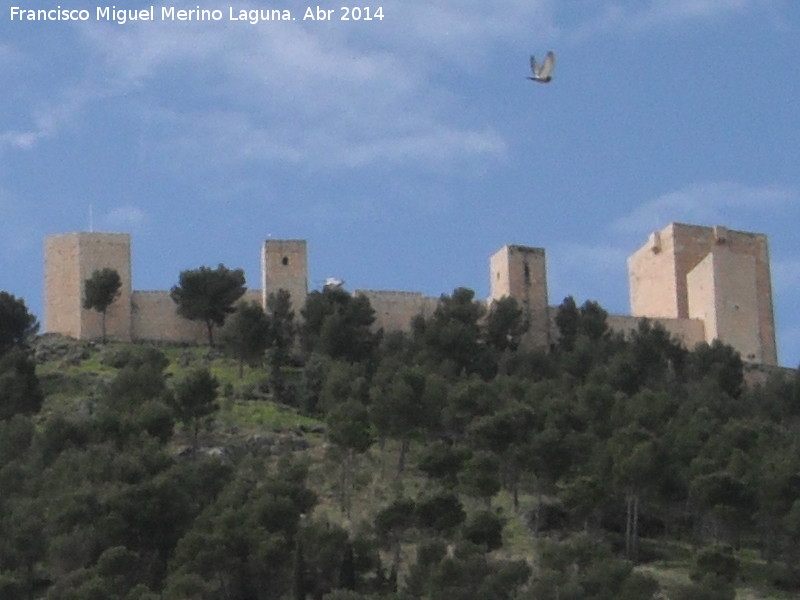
{"x": 701, "y": 283}
{"x": 714, "y": 274}
{"x": 390, "y": 293}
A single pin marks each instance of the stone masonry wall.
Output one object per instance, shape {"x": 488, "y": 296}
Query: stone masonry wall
{"x": 689, "y": 332}
{"x": 62, "y": 310}
{"x": 155, "y": 318}
{"x": 520, "y": 272}
{"x": 395, "y": 310}
{"x": 683, "y": 271}
{"x": 284, "y": 265}
{"x": 660, "y": 283}
{"x": 652, "y": 280}
{"x": 722, "y": 292}
{"x": 70, "y": 259}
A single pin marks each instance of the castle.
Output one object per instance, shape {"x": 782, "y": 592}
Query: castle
{"x": 700, "y": 283}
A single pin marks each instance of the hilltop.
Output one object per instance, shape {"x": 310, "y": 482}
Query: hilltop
{"x": 448, "y": 462}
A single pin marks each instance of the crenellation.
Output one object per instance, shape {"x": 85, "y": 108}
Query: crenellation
{"x": 701, "y": 283}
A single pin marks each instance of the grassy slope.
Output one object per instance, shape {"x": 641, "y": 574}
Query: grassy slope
{"x": 70, "y": 382}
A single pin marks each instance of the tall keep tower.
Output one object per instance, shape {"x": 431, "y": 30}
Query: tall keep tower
{"x": 521, "y": 273}
{"x": 70, "y": 259}
{"x": 710, "y": 273}
{"x": 284, "y": 265}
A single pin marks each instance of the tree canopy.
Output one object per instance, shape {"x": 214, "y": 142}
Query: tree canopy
{"x": 100, "y": 291}
{"x": 208, "y": 295}
{"x": 409, "y": 470}
{"x": 17, "y": 325}
{"x": 195, "y": 399}
{"x": 246, "y": 336}
{"x": 338, "y": 324}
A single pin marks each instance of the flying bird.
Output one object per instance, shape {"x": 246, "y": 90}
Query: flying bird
{"x": 543, "y": 73}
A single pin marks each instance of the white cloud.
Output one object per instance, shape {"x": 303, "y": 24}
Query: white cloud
{"x": 708, "y": 203}
{"x": 50, "y": 116}
{"x": 317, "y": 96}
{"x": 240, "y": 137}
{"x": 438, "y": 144}
{"x": 20, "y": 140}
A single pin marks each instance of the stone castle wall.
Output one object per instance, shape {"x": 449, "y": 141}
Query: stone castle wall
{"x": 284, "y": 265}
{"x": 701, "y": 283}
{"x": 690, "y": 332}
{"x": 521, "y": 272}
{"x": 711, "y": 273}
{"x": 155, "y": 319}
{"x": 70, "y": 259}
{"x": 395, "y": 310}
{"x": 722, "y": 294}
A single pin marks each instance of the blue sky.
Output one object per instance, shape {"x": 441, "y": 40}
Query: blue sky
{"x": 405, "y": 150}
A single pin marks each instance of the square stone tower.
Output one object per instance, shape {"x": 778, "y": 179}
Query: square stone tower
{"x": 710, "y": 273}
{"x": 520, "y": 272}
{"x": 69, "y": 260}
{"x": 284, "y": 265}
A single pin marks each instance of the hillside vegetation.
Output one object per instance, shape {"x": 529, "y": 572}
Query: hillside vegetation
{"x": 318, "y": 459}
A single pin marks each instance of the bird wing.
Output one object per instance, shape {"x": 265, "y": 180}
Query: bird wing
{"x": 534, "y": 66}
{"x": 547, "y": 66}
